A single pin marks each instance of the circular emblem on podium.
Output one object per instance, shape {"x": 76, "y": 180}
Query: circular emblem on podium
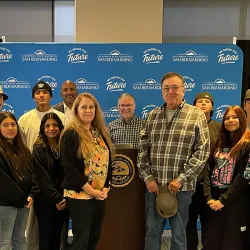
{"x": 123, "y": 171}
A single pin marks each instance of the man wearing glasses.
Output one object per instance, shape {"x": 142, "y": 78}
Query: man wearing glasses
{"x": 126, "y": 129}
{"x": 173, "y": 149}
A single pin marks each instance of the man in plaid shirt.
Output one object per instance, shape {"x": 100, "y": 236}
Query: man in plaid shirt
{"x": 173, "y": 149}
{"x": 126, "y": 129}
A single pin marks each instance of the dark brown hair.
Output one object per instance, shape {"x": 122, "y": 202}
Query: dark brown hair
{"x": 17, "y": 153}
{"x": 240, "y": 136}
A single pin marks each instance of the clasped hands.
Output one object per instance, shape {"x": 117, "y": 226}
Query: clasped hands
{"x": 173, "y": 186}
{"x": 215, "y": 205}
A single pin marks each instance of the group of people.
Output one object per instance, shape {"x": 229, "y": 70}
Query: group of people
{"x": 55, "y": 164}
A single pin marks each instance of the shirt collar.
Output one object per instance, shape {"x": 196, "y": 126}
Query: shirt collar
{"x": 163, "y": 106}
{"x": 129, "y": 121}
{"x": 65, "y": 106}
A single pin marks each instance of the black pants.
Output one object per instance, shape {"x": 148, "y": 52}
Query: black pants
{"x": 50, "y": 224}
{"x": 87, "y": 217}
{"x": 226, "y": 229}
{"x": 196, "y": 210}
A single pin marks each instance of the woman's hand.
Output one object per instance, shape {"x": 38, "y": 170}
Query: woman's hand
{"x": 30, "y": 202}
{"x": 61, "y": 205}
{"x": 215, "y": 205}
{"x": 100, "y": 195}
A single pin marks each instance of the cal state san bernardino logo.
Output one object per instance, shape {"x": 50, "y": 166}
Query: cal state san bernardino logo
{"x": 8, "y": 108}
{"x": 149, "y": 84}
{"x": 13, "y": 83}
{"x": 77, "y": 55}
{"x": 189, "y": 83}
{"x": 39, "y": 56}
{"x": 152, "y": 55}
{"x": 115, "y": 83}
{"x": 50, "y": 80}
{"x": 228, "y": 55}
{"x": 82, "y": 83}
{"x": 123, "y": 171}
{"x": 115, "y": 56}
{"x": 220, "y": 111}
{"x": 147, "y": 109}
{"x": 219, "y": 84}
{"x": 190, "y": 56}
{"x": 5, "y": 55}
{"x": 113, "y": 112}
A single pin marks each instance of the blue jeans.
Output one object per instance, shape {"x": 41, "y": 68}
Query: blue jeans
{"x": 12, "y": 227}
{"x": 155, "y": 223}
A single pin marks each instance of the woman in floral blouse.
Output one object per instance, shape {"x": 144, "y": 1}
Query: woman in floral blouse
{"x": 86, "y": 152}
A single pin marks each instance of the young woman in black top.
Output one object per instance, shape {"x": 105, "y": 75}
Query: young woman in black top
{"x": 17, "y": 188}
{"x": 226, "y": 185}
{"x": 50, "y": 206}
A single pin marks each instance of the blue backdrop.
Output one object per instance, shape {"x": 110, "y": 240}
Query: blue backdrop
{"x": 108, "y": 70}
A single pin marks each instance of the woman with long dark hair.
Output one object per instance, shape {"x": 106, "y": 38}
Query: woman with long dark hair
{"x": 86, "y": 150}
{"x": 50, "y": 206}
{"x": 17, "y": 188}
{"x": 226, "y": 185}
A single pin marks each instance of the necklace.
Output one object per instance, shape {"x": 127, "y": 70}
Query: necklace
{"x": 55, "y": 153}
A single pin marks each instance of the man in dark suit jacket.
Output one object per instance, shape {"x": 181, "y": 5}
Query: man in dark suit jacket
{"x": 68, "y": 93}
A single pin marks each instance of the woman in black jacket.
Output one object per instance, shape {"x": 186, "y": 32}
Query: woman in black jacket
{"x": 17, "y": 187}
{"x": 50, "y": 206}
{"x": 86, "y": 151}
{"x": 226, "y": 184}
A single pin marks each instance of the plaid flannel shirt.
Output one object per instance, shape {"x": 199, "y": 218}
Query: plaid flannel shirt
{"x": 122, "y": 133}
{"x": 178, "y": 148}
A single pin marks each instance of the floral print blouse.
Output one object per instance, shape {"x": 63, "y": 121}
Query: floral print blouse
{"x": 96, "y": 167}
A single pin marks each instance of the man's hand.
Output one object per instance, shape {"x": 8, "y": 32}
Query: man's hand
{"x": 174, "y": 186}
{"x": 153, "y": 187}
{"x": 215, "y": 205}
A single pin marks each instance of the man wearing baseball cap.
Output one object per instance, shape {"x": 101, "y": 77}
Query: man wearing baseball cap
{"x": 246, "y": 106}
{"x": 3, "y": 97}
{"x": 197, "y": 208}
{"x": 30, "y": 125}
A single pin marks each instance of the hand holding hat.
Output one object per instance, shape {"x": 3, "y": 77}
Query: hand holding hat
{"x": 166, "y": 202}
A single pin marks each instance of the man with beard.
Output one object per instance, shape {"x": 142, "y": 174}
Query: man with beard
{"x": 68, "y": 94}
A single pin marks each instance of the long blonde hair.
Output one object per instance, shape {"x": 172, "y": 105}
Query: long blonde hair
{"x": 86, "y": 143}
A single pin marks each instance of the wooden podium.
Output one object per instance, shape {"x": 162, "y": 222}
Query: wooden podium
{"x": 124, "y": 223}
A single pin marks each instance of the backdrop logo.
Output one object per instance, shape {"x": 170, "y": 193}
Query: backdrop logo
{"x": 149, "y": 84}
{"x": 115, "y": 56}
{"x": 190, "y": 56}
{"x": 147, "y": 109}
{"x": 13, "y": 83}
{"x": 220, "y": 111}
{"x": 8, "y": 108}
{"x": 77, "y": 55}
{"x": 82, "y": 83}
{"x": 111, "y": 113}
{"x": 50, "y": 80}
{"x": 116, "y": 83}
{"x": 227, "y": 55}
{"x": 152, "y": 55}
{"x": 219, "y": 84}
{"x": 189, "y": 83}
{"x": 5, "y": 55}
{"x": 39, "y": 56}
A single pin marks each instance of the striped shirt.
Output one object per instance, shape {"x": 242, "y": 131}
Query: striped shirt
{"x": 178, "y": 148}
{"x": 123, "y": 133}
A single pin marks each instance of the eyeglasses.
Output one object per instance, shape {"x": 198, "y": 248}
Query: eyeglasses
{"x": 123, "y": 106}
{"x": 173, "y": 87}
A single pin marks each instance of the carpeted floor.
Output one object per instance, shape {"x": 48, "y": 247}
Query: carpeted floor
{"x": 166, "y": 240}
